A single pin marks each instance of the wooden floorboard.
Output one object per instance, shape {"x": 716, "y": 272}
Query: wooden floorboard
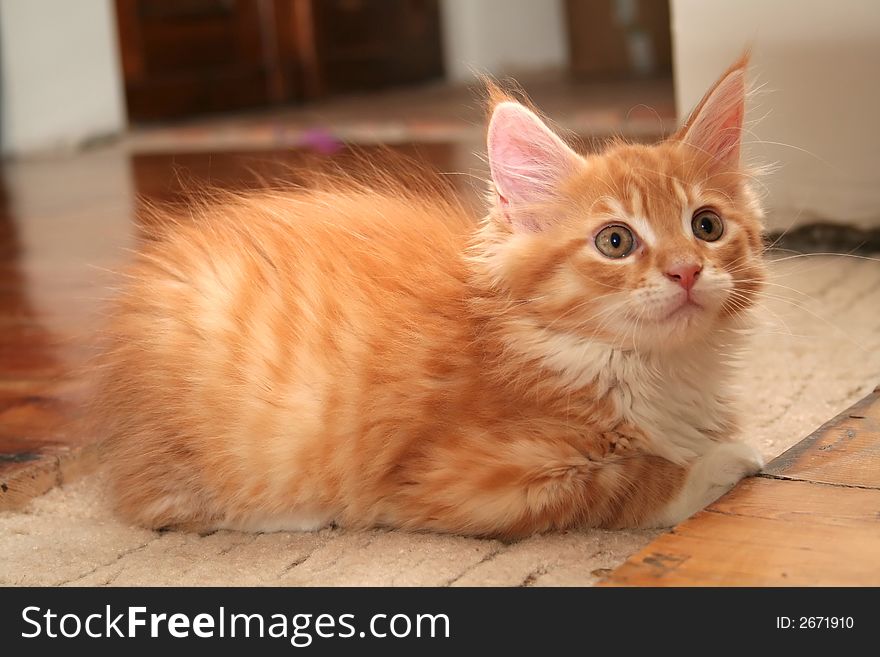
{"x": 844, "y": 451}
{"x": 812, "y": 518}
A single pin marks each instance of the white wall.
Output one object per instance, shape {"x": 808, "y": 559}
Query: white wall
{"x": 819, "y": 63}
{"x": 60, "y": 79}
{"x": 502, "y": 36}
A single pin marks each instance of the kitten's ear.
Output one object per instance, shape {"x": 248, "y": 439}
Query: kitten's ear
{"x": 528, "y": 161}
{"x": 715, "y": 126}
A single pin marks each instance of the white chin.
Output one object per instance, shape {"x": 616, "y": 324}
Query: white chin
{"x": 685, "y": 313}
{"x": 680, "y": 324}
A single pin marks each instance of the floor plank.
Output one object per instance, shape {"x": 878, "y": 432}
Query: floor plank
{"x": 811, "y": 519}
{"x": 766, "y": 533}
{"x": 845, "y": 450}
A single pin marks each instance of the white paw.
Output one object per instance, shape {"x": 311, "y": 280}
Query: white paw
{"x": 710, "y": 477}
{"x": 725, "y": 465}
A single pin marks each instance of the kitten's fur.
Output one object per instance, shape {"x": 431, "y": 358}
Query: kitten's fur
{"x": 360, "y": 356}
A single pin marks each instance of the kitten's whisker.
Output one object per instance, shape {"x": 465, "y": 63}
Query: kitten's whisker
{"x": 814, "y": 255}
{"x": 779, "y": 285}
{"x": 824, "y": 320}
{"x": 741, "y": 302}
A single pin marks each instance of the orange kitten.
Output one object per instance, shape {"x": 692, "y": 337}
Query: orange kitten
{"x": 362, "y": 357}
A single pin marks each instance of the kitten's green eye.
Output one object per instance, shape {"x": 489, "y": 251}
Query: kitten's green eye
{"x": 615, "y": 241}
{"x": 707, "y": 225}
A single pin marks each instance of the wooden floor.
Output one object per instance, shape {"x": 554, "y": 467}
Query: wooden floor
{"x": 812, "y": 517}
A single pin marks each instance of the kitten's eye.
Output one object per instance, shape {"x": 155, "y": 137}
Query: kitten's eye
{"x": 615, "y": 241}
{"x": 707, "y": 225}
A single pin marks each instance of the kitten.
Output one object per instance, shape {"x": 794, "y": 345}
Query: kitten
{"x": 359, "y": 355}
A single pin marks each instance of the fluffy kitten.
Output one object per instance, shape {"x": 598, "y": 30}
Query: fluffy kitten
{"x": 360, "y": 355}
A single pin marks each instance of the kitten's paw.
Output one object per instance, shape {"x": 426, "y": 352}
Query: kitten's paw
{"x": 725, "y": 465}
{"x": 711, "y": 477}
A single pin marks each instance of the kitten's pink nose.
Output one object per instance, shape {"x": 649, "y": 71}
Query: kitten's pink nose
{"x": 685, "y": 275}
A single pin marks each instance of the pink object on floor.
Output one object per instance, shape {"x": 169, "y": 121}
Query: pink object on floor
{"x": 320, "y": 140}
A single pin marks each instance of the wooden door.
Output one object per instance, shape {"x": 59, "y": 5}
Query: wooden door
{"x": 184, "y": 57}
{"x": 355, "y": 45}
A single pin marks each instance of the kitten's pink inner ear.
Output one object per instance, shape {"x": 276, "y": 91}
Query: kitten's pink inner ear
{"x": 717, "y": 127}
{"x": 527, "y": 159}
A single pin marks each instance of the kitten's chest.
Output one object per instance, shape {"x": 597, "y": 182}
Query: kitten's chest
{"x": 683, "y": 410}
